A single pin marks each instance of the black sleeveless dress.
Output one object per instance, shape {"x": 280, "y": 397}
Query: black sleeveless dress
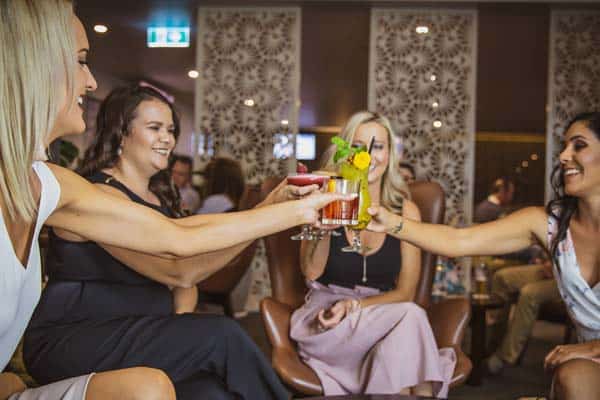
{"x": 96, "y": 314}
{"x": 380, "y": 269}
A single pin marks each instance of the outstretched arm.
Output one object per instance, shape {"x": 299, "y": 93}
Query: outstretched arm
{"x": 506, "y": 235}
{"x": 91, "y": 213}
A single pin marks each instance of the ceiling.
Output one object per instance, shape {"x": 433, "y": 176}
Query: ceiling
{"x": 122, "y": 53}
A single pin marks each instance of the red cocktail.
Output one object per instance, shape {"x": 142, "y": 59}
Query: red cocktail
{"x": 307, "y": 179}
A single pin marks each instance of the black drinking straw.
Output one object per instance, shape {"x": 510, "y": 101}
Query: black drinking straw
{"x": 371, "y": 144}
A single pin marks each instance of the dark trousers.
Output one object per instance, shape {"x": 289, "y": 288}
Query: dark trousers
{"x": 206, "y": 356}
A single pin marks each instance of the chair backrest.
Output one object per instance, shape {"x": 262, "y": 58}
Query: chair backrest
{"x": 287, "y": 282}
{"x": 226, "y": 279}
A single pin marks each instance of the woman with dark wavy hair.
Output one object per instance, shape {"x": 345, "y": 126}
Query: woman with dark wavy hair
{"x": 120, "y": 310}
{"x": 569, "y": 227}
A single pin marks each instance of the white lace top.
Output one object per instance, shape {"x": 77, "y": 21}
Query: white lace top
{"x": 20, "y": 286}
{"x": 583, "y": 302}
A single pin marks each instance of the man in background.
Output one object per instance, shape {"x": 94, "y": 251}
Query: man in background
{"x": 494, "y": 206}
{"x": 181, "y": 173}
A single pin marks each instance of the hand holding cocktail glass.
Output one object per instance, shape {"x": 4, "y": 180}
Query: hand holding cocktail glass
{"x": 301, "y": 180}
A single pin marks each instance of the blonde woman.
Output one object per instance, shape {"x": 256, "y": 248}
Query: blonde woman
{"x": 359, "y": 329}
{"x": 44, "y": 77}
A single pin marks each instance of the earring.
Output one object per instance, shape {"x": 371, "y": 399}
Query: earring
{"x": 119, "y": 150}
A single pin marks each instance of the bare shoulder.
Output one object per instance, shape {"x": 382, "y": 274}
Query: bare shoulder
{"x": 410, "y": 210}
{"x": 72, "y": 185}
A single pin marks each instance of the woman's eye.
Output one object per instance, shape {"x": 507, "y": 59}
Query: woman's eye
{"x": 579, "y": 145}
{"x": 378, "y": 146}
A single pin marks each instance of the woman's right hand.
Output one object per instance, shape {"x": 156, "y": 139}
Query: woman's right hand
{"x": 382, "y": 219}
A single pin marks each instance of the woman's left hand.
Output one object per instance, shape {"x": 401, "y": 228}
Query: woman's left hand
{"x": 337, "y": 313}
{"x": 563, "y": 353}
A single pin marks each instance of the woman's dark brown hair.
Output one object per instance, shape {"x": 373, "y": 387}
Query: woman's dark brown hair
{"x": 113, "y": 123}
{"x": 224, "y": 176}
{"x": 562, "y": 206}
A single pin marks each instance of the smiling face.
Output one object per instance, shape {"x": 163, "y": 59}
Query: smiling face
{"x": 580, "y": 161}
{"x": 70, "y": 118}
{"x": 380, "y": 153}
{"x": 151, "y": 137}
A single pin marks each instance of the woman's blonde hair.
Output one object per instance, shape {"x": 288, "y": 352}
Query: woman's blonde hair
{"x": 37, "y": 63}
{"x": 393, "y": 187}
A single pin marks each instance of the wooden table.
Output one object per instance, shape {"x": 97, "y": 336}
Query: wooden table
{"x": 479, "y": 306}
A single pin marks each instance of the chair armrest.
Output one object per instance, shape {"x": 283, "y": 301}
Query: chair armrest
{"x": 449, "y": 319}
{"x": 276, "y": 318}
{"x": 285, "y": 358}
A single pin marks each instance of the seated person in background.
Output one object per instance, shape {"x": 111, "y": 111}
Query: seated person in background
{"x": 494, "y": 206}
{"x": 534, "y": 285}
{"x": 181, "y": 173}
{"x": 359, "y": 329}
{"x": 107, "y": 308}
{"x": 224, "y": 186}
{"x": 407, "y": 171}
{"x": 568, "y": 228}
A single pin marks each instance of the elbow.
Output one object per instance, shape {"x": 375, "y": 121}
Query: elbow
{"x": 181, "y": 277}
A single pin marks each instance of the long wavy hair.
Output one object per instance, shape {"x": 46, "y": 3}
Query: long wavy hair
{"x": 37, "y": 67}
{"x": 113, "y": 122}
{"x": 393, "y": 187}
{"x": 563, "y": 206}
{"x": 224, "y": 176}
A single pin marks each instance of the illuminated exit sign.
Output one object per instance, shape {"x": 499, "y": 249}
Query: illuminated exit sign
{"x": 169, "y": 37}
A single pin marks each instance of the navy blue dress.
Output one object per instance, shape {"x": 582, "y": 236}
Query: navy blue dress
{"x": 96, "y": 314}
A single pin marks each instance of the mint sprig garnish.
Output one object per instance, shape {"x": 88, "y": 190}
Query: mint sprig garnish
{"x": 344, "y": 149}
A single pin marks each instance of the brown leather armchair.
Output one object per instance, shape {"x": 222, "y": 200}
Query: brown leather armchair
{"x": 217, "y": 287}
{"x": 448, "y": 318}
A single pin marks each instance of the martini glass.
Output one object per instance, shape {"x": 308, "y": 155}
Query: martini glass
{"x": 306, "y": 180}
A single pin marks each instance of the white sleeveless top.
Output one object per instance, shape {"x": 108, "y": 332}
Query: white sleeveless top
{"x": 20, "y": 287}
{"x": 582, "y": 301}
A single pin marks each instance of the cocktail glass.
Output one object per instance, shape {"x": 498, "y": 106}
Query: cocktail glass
{"x": 349, "y": 171}
{"x": 306, "y": 180}
{"x": 341, "y": 212}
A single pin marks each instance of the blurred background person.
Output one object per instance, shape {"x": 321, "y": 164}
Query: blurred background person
{"x": 181, "y": 172}
{"x": 494, "y": 206}
{"x": 407, "y": 171}
{"x": 224, "y": 186}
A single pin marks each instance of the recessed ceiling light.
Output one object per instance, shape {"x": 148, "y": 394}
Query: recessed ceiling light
{"x": 422, "y": 29}
{"x": 285, "y": 122}
{"x": 525, "y": 164}
{"x": 437, "y": 124}
{"x": 534, "y": 156}
{"x": 101, "y": 28}
{"x": 249, "y": 102}
{"x": 432, "y": 78}
{"x": 193, "y": 74}
{"x": 435, "y": 104}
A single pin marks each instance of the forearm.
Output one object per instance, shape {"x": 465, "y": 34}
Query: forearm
{"x": 393, "y": 296}
{"x": 10, "y": 384}
{"x": 185, "y": 300}
{"x": 313, "y": 257}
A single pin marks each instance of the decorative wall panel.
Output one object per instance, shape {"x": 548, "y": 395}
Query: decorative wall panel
{"x": 574, "y": 78}
{"x": 422, "y": 76}
{"x": 247, "y": 93}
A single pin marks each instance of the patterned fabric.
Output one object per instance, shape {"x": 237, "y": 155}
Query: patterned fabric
{"x": 422, "y": 80}
{"x": 574, "y": 79}
{"x": 248, "y": 54}
{"x": 583, "y": 302}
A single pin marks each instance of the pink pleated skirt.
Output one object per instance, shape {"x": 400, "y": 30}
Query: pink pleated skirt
{"x": 380, "y": 349}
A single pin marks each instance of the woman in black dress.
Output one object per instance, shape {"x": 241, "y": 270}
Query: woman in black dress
{"x": 107, "y": 308}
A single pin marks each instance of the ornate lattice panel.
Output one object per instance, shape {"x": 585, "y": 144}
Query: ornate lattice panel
{"x": 574, "y": 78}
{"x": 247, "y": 97}
{"x": 248, "y": 88}
{"x": 422, "y": 77}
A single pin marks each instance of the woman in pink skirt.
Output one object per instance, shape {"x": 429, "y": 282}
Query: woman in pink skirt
{"x": 359, "y": 329}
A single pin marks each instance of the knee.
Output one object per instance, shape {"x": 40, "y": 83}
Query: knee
{"x": 152, "y": 384}
{"x": 529, "y": 295}
{"x": 415, "y": 311}
{"x": 569, "y": 378}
